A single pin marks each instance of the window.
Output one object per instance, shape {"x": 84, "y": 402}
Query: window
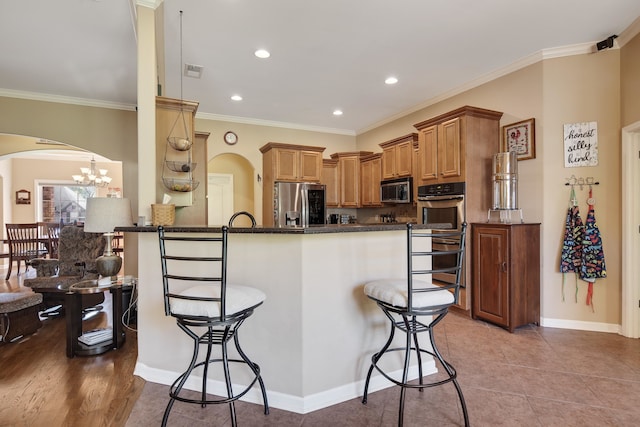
{"x": 63, "y": 202}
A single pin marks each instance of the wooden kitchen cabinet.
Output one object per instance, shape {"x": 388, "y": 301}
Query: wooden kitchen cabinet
{"x": 370, "y": 177}
{"x": 349, "y": 177}
{"x": 442, "y": 151}
{"x": 294, "y": 163}
{"x": 453, "y": 146}
{"x": 458, "y": 147}
{"x": 287, "y": 162}
{"x": 506, "y": 273}
{"x": 397, "y": 156}
{"x": 331, "y": 180}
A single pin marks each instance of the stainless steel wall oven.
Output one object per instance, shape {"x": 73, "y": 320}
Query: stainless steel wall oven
{"x": 442, "y": 205}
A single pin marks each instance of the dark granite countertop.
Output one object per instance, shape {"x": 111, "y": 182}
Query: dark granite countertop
{"x": 329, "y": 228}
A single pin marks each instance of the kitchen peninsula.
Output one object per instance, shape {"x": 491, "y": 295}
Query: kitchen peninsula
{"x": 314, "y": 335}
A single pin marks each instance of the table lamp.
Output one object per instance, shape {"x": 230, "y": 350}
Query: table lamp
{"x": 103, "y": 215}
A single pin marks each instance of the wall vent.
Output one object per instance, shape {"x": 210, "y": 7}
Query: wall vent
{"x": 192, "y": 70}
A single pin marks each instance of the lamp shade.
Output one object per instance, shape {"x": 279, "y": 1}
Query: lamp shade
{"x": 103, "y": 214}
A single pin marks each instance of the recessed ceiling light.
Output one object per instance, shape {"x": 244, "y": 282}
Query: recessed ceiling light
{"x": 337, "y": 112}
{"x": 391, "y": 80}
{"x": 262, "y": 54}
{"x": 236, "y": 98}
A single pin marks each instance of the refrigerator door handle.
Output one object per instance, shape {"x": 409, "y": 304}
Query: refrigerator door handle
{"x": 304, "y": 215}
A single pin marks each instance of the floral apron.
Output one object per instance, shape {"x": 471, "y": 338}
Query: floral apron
{"x": 593, "y": 266}
{"x": 571, "y": 256}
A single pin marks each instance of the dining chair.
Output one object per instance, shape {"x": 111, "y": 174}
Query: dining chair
{"x": 49, "y": 233}
{"x": 24, "y": 244}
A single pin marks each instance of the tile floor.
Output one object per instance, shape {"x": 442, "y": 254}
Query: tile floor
{"x": 534, "y": 377}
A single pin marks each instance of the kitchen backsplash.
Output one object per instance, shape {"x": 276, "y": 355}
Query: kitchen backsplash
{"x": 401, "y": 213}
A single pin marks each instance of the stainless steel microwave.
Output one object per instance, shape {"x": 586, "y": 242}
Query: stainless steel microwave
{"x": 396, "y": 190}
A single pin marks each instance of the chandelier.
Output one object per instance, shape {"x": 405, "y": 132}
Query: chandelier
{"x": 92, "y": 176}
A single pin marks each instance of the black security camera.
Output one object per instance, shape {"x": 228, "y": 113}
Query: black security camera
{"x": 606, "y": 43}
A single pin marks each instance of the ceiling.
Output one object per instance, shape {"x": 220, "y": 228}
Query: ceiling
{"x": 325, "y": 55}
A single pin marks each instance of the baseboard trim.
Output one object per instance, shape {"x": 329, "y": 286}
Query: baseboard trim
{"x": 580, "y": 325}
{"x": 287, "y": 402}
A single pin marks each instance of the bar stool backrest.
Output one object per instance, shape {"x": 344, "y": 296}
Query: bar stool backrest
{"x": 421, "y": 259}
{"x": 181, "y": 270}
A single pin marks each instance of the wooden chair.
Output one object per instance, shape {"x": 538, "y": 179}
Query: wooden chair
{"x": 53, "y": 238}
{"x": 24, "y": 244}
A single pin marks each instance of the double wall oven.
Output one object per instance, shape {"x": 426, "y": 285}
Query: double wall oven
{"x": 442, "y": 205}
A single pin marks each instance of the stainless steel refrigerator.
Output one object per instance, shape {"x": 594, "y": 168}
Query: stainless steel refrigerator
{"x": 299, "y": 204}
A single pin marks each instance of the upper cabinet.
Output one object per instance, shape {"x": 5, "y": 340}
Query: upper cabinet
{"x": 370, "y": 177}
{"x": 331, "y": 180}
{"x": 447, "y": 141}
{"x": 441, "y": 148}
{"x": 295, "y": 163}
{"x": 397, "y": 156}
{"x": 349, "y": 177}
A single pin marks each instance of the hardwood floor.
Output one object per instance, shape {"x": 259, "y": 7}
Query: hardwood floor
{"x": 40, "y": 386}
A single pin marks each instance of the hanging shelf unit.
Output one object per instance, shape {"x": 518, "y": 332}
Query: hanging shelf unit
{"x": 175, "y": 167}
{"x": 177, "y": 164}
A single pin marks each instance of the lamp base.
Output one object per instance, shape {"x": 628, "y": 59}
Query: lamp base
{"x": 108, "y": 265}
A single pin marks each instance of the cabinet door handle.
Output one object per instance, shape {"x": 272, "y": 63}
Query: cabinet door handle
{"x": 503, "y": 266}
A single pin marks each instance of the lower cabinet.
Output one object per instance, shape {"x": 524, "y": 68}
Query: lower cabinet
{"x": 506, "y": 273}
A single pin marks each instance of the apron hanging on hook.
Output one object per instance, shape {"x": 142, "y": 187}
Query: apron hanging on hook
{"x": 571, "y": 256}
{"x": 592, "y": 265}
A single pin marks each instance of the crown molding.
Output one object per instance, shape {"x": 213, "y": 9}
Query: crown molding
{"x": 562, "y": 51}
{"x": 8, "y": 93}
{"x": 270, "y": 123}
{"x": 630, "y": 32}
{"x": 578, "y": 49}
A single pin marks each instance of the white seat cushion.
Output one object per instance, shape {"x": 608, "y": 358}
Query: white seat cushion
{"x": 394, "y": 292}
{"x": 238, "y": 298}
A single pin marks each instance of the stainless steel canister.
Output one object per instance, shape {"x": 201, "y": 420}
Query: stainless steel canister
{"x": 505, "y": 180}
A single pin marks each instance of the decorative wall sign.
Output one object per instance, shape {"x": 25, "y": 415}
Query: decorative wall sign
{"x": 580, "y": 144}
{"x": 520, "y": 137}
{"x": 23, "y": 197}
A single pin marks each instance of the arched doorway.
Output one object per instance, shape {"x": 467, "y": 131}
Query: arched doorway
{"x": 240, "y": 184}
{"x": 26, "y": 163}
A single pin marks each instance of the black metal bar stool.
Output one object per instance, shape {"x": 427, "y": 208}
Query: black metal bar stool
{"x": 196, "y": 293}
{"x": 406, "y": 301}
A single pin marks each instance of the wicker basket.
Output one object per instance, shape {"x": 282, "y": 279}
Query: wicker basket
{"x": 163, "y": 214}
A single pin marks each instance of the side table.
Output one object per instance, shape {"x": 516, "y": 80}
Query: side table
{"x": 73, "y": 313}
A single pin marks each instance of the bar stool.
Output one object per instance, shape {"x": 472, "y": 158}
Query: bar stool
{"x": 197, "y": 294}
{"x": 406, "y": 301}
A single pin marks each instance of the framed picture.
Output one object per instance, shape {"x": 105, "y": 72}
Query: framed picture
{"x": 520, "y": 137}
{"x": 23, "y": 197}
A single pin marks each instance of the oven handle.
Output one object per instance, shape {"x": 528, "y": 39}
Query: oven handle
{"x": 430, "y": 198}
